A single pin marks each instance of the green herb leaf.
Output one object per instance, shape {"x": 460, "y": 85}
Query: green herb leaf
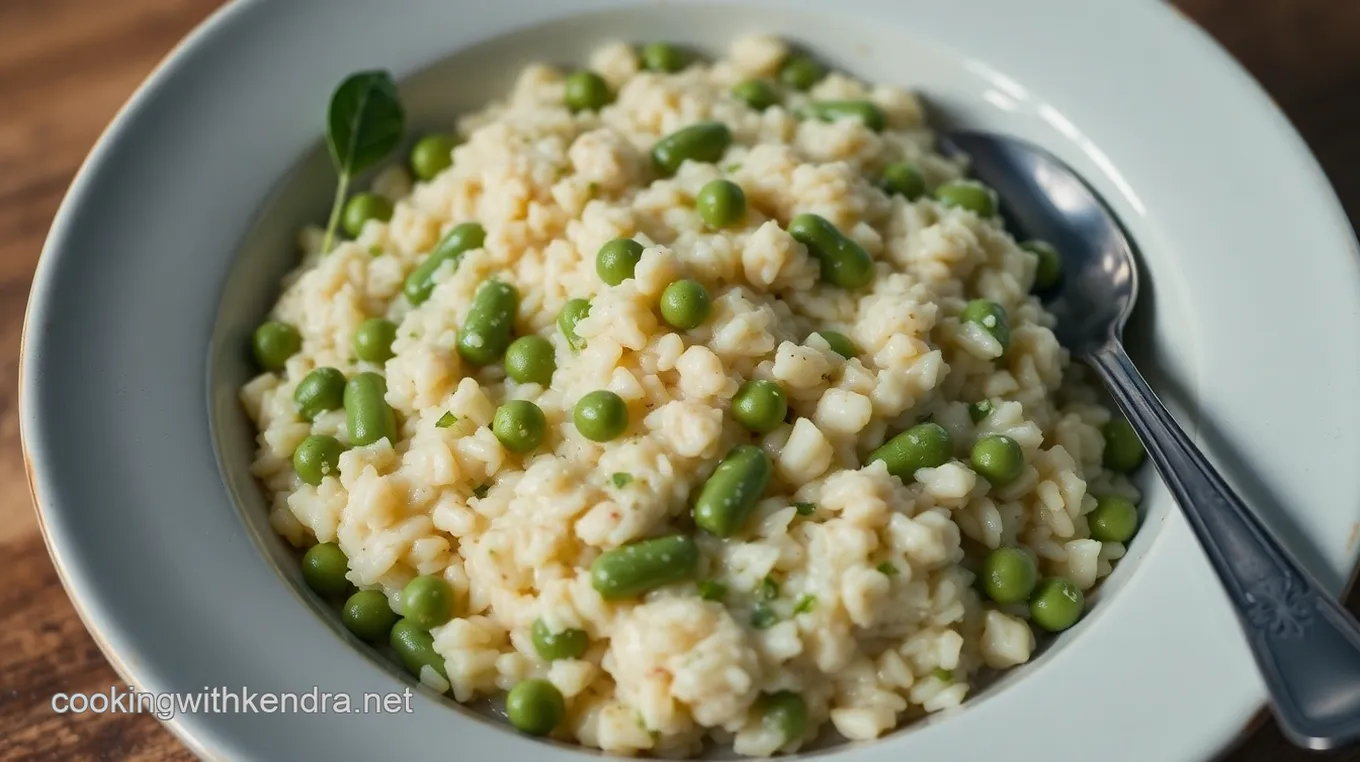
{"x": 375, "y": 250}
{"x": 769, "y": 589}
{"x": 712, "y": 590}
{"x": 592, "y": 189}
{"x": 942, "y": 674}
{"x": 620, "y": 480}
{"x": 733, "y": 167}
{"x": 805, "y": 604}
{"x": 763, "y": 617}
{"x": 979, "y": 410}
{"x": 364, "y": 124}
{"x": 887, "y": 569}
{"x": 481, "y": 490}
{"x": 805, "y": 509}
{"x": 446, "y": 420}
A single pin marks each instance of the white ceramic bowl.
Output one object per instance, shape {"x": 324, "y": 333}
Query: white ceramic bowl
{"x": 169, "y": 246}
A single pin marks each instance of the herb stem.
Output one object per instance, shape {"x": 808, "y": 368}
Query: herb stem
{"x": 337, "y": 206}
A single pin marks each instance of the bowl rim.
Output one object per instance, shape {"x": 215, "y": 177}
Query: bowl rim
{"x": 41, "y": 302}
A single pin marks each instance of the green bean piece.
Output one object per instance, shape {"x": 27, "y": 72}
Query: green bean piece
{"x": 630, "y": 570}
{"x": 373, "y": 340}
{"x": 461, "y": 238}
{"x": 992, "y": 317}
{"x": 317, "y": 457}
{"x": 731, "y": 493}
{"x": 617, "y": 259}
{"x": 323, "y": 569}
{"x": 1048, "y": 264}
{"x": 273, "y": 343}
{"x": 431, "y": 155}
{"x": 701, "y": 142}
{"x": 368, "y": 417}
{"x": 801, "y": 72}
{"x": 925, "y": 445}
{"x": 367, "y": 615}
{"x": 756, "y": 93}
{"x": 535, "y": 707}
{"x": 490, "y": 323}
{"x": 868, "y": 113}
{"x": 970, "y": 195}
{"x": 904, "y": 179}
{"x": 573, "y": 312}
{"x": 414, "y": 647}
{"x": 786, "y": 713}
{"x": 321, "y": 390}
{"x": 839, "y": 343}
{"x": 362, "y": 208}
{"x": 565, "y": 644}
{"x": 844, "y": 262}
{"x": 530, "y": 360}
{"x": 585, "y": 91}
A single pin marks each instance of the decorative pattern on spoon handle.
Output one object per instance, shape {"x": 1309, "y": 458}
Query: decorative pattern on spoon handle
{"x": 1307, "y": 646}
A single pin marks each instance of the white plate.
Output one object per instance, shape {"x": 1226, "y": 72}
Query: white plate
{"x": 160, "y": 261}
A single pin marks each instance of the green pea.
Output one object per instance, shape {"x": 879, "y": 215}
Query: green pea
{"x": 427, "y": 601}
{"x": 756, "y": 93}
{"x": 721, "y": 203}
{"x": 1113, "y": 520}
{"x": 273, "y": 343}
{"x": 1123, "y": 450}
{"x": 905, "y": 180}
{"x": 320, "y": 390}
{"x": 1056, "y": 604}
{"x": 601, "y": 416}
{"x": 530, "y": 360}
{"x": 414, "y": 647}
{"x": 760, "y": 406}
{"x": 631, "y": 570}
{"x": 368, "y": 417}
{"x": 317, "y": 457}
{"x": 839, "y": 343}
{"x": 535, "y": 707}
{"x": 431, "y": 155}
{"x": 490, "y": 322}
{"x": 585, "y": 91}
{"x": 362, "y": 208}
{"x": 373, "y": 340}
{"x": 784, "y": 712}
{"x": 685, "y": 304}
{"x": 663, "y": 57}
{"x": 869, "y": 114}
{"x": 1008, "y": 575}
{"x": 551, "y": 646}
{"x": 980, "y": 410}
{"x": 992, "y": 317}
{"x": 616, "y": 260}
{"x": 573, "y": 312}
{"x": 998, "y": 459}
{"x": 965, "y": 194}
{"x": 1048, "y": 268}
{"x": 461, "y": 238}
{"x": 925, "y": 445}
{"x": 367, "y": 615}
{"x": 731, "y": 493}
{"x": 702, "y": 142}
{"x": 519, "y": 425}
{"x": 844, "y": 262}
{"x": 323, "y": 569}
{"x": 801, "y": 72}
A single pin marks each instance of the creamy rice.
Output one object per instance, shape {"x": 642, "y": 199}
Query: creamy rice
{"x": 515, "y": 535}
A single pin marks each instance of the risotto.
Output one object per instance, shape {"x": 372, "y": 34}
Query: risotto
{"x": 683, "y": 402}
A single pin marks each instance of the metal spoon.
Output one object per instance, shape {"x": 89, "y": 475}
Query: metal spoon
{"x": 1306, "y": 645}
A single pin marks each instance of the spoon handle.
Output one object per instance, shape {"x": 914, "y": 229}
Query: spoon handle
{"x": 1307, "y": 646}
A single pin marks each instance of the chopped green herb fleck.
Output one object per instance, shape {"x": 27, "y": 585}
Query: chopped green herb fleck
{"x": 375, "y": 250}
{"x": 763, "y": 617}
{"x": 446, "y": 420}
{"x": 620, "y": 480}
{"x": 887, "y": 569}
{"x": 592, "y": 189}
{"x": 769, "y": 589}
{"x": 734, "y": 167}
{"x": 942, "y": 674}
{"x": 979, "y": 410}
{"x": 712, "y": 590}
{"x": 805, "y": 509}
{"x": 481, "y": 490}
{"x": 805, "y": 604}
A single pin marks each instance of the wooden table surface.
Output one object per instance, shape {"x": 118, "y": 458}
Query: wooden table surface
{"x": 65, "y": 68}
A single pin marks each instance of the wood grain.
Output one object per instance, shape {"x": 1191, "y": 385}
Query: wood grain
{"x": 65, "y": 68}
